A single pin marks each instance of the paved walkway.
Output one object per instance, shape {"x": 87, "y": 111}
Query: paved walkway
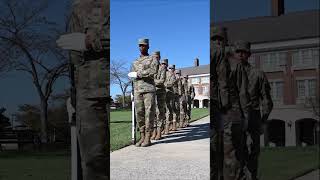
{"x": 314, "y": 175}
{"x": 183, "y": 155}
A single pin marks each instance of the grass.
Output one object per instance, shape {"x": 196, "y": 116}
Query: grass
{"x": 287, "y": 163}
{"x": 275, "y": 163}
{"x": 35, "y": 166}
{"x": 120, "y": 126}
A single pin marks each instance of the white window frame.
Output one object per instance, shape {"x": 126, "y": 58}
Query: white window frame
{"x": 302, "y": 64}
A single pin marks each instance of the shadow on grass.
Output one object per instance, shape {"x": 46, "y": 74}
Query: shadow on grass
{"x": 191, "y": 133}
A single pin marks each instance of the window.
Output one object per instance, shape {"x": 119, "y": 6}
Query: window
{"x": 195, "y": 80}
{"x": 312, "y": 87}
{"x": 200, "y": 90}
{"x": 273, "y": 60}
{"x": 301, "y": 88}
{"x": 305, "y": 57}
{"x": 205, "y": 90}
{"x": 306, "y": 88}
{"x": 277, "y": 90}
{"x": 205, "y": 80}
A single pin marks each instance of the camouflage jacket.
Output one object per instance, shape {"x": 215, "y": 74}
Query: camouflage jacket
{"x": 146, "y": 68}
{"x": 170, "y": 81}
{"x": 91, "y": 66}
{"x": 160, "y": 79}
{"x": 179, "y": 87}
{"x": 259, "y": 90}
{"x": 229, "y": 84}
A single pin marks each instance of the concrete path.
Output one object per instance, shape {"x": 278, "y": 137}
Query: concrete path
{"x": 314, "y": 175}
{"x": 183, "y": 155}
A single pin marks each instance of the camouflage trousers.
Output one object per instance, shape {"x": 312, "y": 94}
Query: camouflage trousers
{"x": 183, "y": 108}
{"x": 145, "y": 109}
{"x": 254, "y": 130}
{"x": 176, "y": 110}
{"x": 231, "y": 147}
{"x": 170, "y": 107}
{"x": 160, "y": 110}
{"x": 189, "y": 104}
{"x": 92, "y": 121}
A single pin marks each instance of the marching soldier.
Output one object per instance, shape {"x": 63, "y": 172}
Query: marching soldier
{"x": 190, "y": 96}
{"x": 170, "y": 97}
{"x": 183, "y": 103}
{"x": 259, "y": 91}
{"x": 177, "y": 98}
{"x": 230, "y": 107}
{"x": 145, "y": 69}
{"x": 160, "y": 79}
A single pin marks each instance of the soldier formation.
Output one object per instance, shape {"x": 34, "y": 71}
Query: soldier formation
{"x": 162, "y": 96}
{"x": 237, "y": 92}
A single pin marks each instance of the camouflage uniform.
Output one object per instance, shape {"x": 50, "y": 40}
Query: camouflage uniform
{"x": 160, "y": 79}
{"x": 177, "y": 100}
{"x": 229, "y": 108}
{"x": 190, "y": 96}
{"x": 170, "y": 103}
{"x": 144, "y": 94}
{"x": 259, "y": 91}
{"x": 183, "y": 103}
{"x": 92, "y": 90}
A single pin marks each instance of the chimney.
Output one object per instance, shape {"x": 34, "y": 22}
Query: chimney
{"x": 277, "y": 7}
{"x": 196, "y": 62}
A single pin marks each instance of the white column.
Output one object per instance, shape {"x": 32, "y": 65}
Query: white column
{"x": 290, "y": 134}
{"x": 262, "y": 140}
{"x": 200, "y": 104}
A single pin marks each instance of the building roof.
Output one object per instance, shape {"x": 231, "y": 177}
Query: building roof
{"x": 195, "y": 70}
{"x": 290, "y": 26}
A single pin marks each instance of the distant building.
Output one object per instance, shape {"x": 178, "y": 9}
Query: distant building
{"x": 199, "y": 76}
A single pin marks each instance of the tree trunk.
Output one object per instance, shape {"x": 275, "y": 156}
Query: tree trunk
{"x": 123, "y": 99}
{"x": 44, "y": 121}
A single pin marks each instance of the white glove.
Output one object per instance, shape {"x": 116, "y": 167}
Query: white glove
{"x": 133, "y": 74}
{"x": 72, "y": 41}
{"x": 70, "y": 109}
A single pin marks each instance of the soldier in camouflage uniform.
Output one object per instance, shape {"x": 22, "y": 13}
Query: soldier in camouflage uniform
{"x": 146, "y": 67}
{"x": 230, "y": 105}
{"x": 259, "y": 90}
{"x": 190, "y": 96}
{"x": 91, "y": 66}
{"x": 170, "y": 101}
{"x": 183, "y": 102}
{"x": 177, "y": 98}
{"x": 160, "y": 79}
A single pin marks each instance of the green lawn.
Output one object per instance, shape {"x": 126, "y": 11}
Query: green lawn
{"x": 35, "y": 166}
{"x": 120, "y": 126}
{"x": 287, "y": 163}
{"x": 275, "y": 163}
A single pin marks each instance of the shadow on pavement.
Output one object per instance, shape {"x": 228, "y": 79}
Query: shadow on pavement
{"x": 191, "y": 133}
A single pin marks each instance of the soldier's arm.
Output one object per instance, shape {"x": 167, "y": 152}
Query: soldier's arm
{"x": 267, "y": 103}
{"x": 150, "y": 72}
{"x": 179, "y": 86}
{"x": 161, "y": 80}
{"x": 170, "y": 81}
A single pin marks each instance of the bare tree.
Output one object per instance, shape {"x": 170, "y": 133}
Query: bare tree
{"x": 27, "y": 43}
{"x": 313, "y": 104}
{"x": 119, "y": 76}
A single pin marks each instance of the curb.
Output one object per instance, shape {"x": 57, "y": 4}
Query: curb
{"x": 303, "y": 173}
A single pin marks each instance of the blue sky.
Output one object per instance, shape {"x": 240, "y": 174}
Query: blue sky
{"x": 179, "y": 29}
